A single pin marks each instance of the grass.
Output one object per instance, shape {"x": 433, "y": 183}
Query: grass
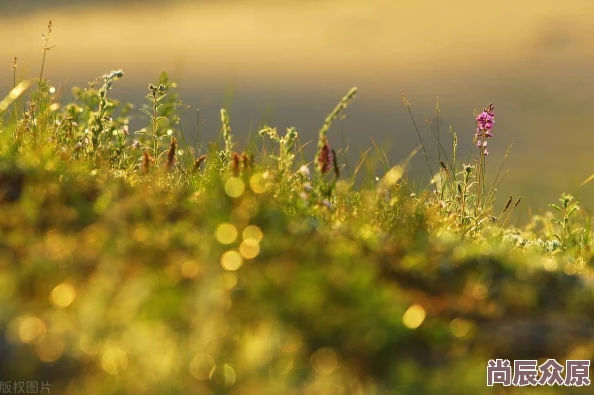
{"x": 134, "y": 262}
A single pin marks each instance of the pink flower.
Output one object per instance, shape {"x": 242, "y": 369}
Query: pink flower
{"x": 485, "y": 121}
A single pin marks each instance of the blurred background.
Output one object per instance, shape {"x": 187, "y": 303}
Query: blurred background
{"x": 287, "y": 63}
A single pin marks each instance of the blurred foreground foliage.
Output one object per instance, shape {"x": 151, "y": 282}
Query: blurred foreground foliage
{"x": 137, "y": 267}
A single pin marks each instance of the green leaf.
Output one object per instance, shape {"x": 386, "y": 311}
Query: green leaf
{"x": 147, "y": 113}
{"x": 556, "y": 208}
{"x": 572, "y": 209}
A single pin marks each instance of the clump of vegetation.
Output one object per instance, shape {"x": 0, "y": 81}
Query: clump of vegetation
{"x": 131, "y": 264}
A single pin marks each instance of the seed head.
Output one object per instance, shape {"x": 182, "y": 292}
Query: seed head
{"x": 235, "y": 158}
{"x": 171, "y": 154}
{"x": 326, "y": 157}
{"x": 198, "y": 162}
{"x": 246, "y": 161}
{"x": 146, "y": 161}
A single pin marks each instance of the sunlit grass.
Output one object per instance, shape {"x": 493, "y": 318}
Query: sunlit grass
{"x": 134, "y": 262}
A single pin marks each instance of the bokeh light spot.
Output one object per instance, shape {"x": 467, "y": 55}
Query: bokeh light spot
{"x": 63, "y": 295}
{"x": 229, "y": 280}
{"x": 324, "y": 361}
{"x": 226, "y": 233}
{"x": 413, "y": 317}
{"x": 88, "y": 345}
{"x": 252, "y": 232}
{"x": 31, "y": 330}
{"x": 550, "y": 265}
{"x": 222, "y": 376}
{"x": 257, "y": 183}
{"x": 114, "y": 360}
{"x": 480, "y": 291}
{"x": 234, "y": 187}
{"x": 460, "y": 327}
{"x": 231, "y": 260}
{"x": 50, "y": 349}
{"x": 201, "y": 365}
{"x": 249, "y": 249}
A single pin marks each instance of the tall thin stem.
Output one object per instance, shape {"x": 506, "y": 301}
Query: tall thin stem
{"x": 407, "y": 104}
{"x": 46, "y": 48}
{"x": 14, "y": 79}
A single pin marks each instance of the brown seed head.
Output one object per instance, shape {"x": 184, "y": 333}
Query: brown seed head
{"x": 235, "y": 163}
{"x": 198, "y": 162}
{"x": 171, "y": 154}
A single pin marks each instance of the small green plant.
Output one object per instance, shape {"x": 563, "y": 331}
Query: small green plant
{"x": 155, "y": 95}
{"x": 285, "y": 157}
{"x": 566, "y": 232}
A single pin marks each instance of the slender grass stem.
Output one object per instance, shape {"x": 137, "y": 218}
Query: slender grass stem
{"x": 407, "y": 104}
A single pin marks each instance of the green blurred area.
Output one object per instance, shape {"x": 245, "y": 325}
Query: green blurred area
{"x": 112, "y": 288}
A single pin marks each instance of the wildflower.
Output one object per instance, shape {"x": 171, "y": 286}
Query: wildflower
{"x": 307, "y": 186}
{"x": 326, "y": 158}
{"x": 125, "y": 130}
{"x": 136, "y": 144}
{"x": 327, "y": 204}
{"x": 485, "y": 121}
{"x": 484, "y": 147}
{"x": 304, "y": 171}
